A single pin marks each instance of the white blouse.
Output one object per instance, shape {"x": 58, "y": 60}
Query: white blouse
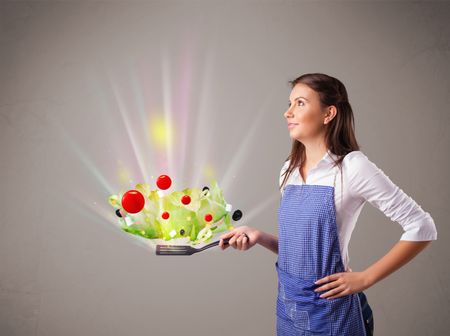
{"x": 364, "y": 181}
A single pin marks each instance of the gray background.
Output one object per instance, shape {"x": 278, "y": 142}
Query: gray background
{"x": 68, "y": 70}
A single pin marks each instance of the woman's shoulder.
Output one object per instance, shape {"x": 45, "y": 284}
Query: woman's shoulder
{"x": 357, "y": 163}
{"x": 285, "y": 164}
{"x": 355, "y": 157}
{"x": 283, "y": 170}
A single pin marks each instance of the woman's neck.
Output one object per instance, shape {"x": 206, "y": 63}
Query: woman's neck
{"x": 314, "y": 152}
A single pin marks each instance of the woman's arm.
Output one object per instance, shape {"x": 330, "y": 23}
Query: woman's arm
{"x": 267, "y": 240}
{"x": 370, "y": 183}
{"x": 367, "y": 182}
{"x": 402, "y": 252}
{"x": 344, "y": 283}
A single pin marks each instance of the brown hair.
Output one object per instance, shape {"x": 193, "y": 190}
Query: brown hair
{"x": 340, "y": 132}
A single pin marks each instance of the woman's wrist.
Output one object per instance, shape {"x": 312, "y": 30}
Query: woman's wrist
{"x": 401, "y": 253}
{"x": 267, "y": 240}
{"x": 370, "y": 280}
{"x": 258, "y": 236}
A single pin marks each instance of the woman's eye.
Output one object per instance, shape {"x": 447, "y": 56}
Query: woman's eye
{"x": 298, "y": 102}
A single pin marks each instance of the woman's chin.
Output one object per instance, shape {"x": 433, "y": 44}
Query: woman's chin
{"x": 294, "y": 135}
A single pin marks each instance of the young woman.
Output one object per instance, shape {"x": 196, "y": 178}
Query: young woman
{"x": 327, "y": 180}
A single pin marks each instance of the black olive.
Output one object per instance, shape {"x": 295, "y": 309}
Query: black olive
{"x": 237, "y": 215}
{"x": 118, "y": 213}
{"x": 182, "y": 232}
{"x": 205, "y": 191}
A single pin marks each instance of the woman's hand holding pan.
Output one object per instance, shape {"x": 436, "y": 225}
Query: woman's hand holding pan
{"x": 242, "y": 238}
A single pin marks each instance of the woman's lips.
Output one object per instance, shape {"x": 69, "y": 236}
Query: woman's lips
{"x": 291, "y": 125}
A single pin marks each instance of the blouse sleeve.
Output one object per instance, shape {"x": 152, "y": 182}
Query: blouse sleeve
{"x": 285, "y": 166}
{"x": 370, "y": 183}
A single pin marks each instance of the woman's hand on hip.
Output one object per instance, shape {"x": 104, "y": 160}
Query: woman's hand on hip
{"x": 341, "y": 284}
{"x": 239, "y": 239}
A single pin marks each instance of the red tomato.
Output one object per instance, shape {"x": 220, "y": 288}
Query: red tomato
{"x": 186, "y": 199}
{"x": 133, "y": 201}
{"x": 164, "y": 182}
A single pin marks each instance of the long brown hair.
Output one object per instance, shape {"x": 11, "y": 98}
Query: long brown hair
{"x": 340, "y": 132}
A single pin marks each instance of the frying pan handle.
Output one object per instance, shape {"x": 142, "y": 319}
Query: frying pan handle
{"x": 225, "y": 241}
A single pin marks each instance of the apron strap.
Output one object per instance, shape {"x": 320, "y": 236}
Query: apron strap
{"x": 341, "y": 186}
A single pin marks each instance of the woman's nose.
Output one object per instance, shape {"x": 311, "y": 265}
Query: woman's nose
{"x": 288, "y": 113}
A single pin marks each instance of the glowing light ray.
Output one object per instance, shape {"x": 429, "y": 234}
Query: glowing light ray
{"x": 90, "y": 212}
{"x": 123, "y": 112}
{"x": 253, "y": 212}
{"x": 94, "y": 214}
{"x": 241, "y": 155}
{"x": 202, "y": 136}
{"x": 83, "y": 156}
{"x": 96, "y": 211}
{"x": 185, "y": 82}
{"x": 168, "y": 112}
{"x": 140, "y": 103}
{"x": 99, "y": 211}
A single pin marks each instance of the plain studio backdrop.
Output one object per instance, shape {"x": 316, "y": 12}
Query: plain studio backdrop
{"x": 80, "y": 84}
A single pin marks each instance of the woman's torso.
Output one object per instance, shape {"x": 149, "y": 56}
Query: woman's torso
{"x": 347, "y": 206}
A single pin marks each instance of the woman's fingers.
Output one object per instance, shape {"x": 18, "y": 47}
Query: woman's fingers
{"x": 239, "y": 241}
{"x": 244, "y": 242}
{"x": 222, "y": 245}
{"x": 228, "y": 234}
{"x": 231, "y": 242}
{"x": 238, "y": 238}
{"x": 224, "y": 236}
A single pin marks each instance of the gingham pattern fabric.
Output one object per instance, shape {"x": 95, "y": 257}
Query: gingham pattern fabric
{"x": 308, "y": 249}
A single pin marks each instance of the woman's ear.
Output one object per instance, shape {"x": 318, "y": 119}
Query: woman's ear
{"x": 331, "y": 113}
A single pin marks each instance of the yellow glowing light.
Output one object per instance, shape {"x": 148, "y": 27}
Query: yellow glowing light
{"x": 160, "y": 131}
{"x": 209, "y": 172}
{"x": 231, "y": 227}
{"x": 113, "y": 200}
{"x": 144, "y": 188}
{"x": 123, "y": 173}
{"x": 188, "y": 218}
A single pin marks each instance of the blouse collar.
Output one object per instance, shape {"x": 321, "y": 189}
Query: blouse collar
{"x": 328, "y": 157}
{"x": 325, "y": 160}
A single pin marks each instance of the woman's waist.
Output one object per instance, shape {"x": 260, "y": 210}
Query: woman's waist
{"x": 297, "y": 283}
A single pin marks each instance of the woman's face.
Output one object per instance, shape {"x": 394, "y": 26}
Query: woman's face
{"x": 305, "y": 116}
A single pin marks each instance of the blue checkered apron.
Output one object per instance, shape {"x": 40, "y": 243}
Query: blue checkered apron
{"x": 308, "y": 249}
